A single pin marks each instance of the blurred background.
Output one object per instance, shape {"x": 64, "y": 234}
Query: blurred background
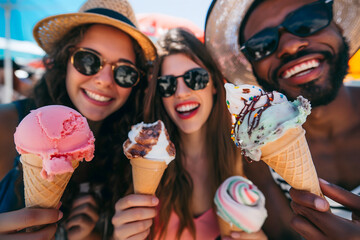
{"x": 20, "y": 57}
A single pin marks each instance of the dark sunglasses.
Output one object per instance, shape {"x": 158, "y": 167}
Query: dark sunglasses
{"x": 302, "y": 22}
{"x": 89, "y": 62}
{"x": 196, "y": 79}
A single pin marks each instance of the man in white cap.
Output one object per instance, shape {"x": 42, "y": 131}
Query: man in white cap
{"x": 300, "y": 47}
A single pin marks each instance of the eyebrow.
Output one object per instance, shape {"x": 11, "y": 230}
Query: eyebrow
{"x": 125, "y": 60}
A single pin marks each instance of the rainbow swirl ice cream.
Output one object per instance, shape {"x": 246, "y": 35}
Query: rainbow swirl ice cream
{"x": 260, "y": 117}
{"x": 240, "y": 203}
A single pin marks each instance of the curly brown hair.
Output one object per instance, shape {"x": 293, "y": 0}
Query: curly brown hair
{"x": 112, "y": 167}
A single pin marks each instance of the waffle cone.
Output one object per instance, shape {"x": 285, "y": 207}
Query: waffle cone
{"x": 147, "y": 174}
{"x": 290, "y": 157}
{"x": 226, "y": 228}
{"x": 40, "y": 192}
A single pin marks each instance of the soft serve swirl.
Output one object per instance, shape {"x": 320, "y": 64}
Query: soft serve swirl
{"x": 241, "y": 203}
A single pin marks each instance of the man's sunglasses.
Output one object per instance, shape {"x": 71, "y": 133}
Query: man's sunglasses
{"x": 89, "y": 62}
{"x": 302, "y": 22}
{"x": 196, "y": 79}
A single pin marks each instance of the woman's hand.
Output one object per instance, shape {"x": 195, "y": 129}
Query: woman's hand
{"x": 83, "y": 218}
{"x": 260, "y": 235}
{"x": 315, "y": 221}
{"x": 11, "y": 223}
{"x": 134, "y": 216}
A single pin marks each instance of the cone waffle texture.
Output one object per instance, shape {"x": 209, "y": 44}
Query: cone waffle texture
{"x": 40, "y": 192}
{"x": 290, "y": 157}
{"x": 226, "y": 228}
{"x": 147, "y": 174}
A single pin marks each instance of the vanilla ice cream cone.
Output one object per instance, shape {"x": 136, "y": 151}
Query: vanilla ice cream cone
{"x": 147, "y": 174}
{"x": 290, "y": 157}
{"x": 40, "y": 192}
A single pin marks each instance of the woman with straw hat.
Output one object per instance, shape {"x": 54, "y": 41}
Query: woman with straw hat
{"x": 97, "y": 62}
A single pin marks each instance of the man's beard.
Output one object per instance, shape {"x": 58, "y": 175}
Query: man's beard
{"x": 318, "y": 95}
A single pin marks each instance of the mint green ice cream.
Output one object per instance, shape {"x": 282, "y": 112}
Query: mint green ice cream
{"x": 260, "y": 117}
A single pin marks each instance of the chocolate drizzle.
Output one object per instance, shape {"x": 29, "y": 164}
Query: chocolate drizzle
{"x": 249, "y": 108}
{"x": 146, "y": 139}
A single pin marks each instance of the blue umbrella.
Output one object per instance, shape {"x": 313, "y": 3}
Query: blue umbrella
{"x": 17, "y": 18}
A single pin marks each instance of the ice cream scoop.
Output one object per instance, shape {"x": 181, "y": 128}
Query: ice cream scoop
{"x": 240, "y": 206}
{"x": 269, "y": 127}
{"x": 150, "y": 151}
{"x": 58, "y": 135}
{"x": 261, "y": 117}
{"x": 52, "y": 140}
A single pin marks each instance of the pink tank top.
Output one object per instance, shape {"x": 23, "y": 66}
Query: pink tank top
{"x": 206, "y": 227}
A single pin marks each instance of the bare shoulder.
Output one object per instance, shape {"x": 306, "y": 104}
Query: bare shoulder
{"x": 8, "y": 124}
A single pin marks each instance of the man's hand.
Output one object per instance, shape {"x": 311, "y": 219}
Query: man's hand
{"x": 314, "y": 219}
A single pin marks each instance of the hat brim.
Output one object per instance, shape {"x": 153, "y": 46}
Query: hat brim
{"x": 50, "y": 30}
{"x": 222, "y": 33}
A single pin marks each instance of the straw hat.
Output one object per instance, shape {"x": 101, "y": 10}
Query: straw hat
{"x": 116, "y": 13}
{"x": 222, "y": 31}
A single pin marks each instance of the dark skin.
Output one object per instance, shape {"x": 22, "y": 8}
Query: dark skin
{"x": 332, "y": 131}
{"x": 315, "y": 221}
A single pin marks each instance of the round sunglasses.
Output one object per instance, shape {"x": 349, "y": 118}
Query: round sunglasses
{"x": 89, "y": 62}
{"x": 303, "y": 22}
{"x": 196, "y": 79}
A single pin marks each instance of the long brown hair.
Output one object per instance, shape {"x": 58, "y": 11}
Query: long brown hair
{"x": 113, "y": 167}
{"x": 222, "y": 153}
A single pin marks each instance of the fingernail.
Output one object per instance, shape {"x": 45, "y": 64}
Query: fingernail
{"x": 321, "y": 204}
{"x": 58, "y": 205}
{"x": 235, "y": 235}
{"x": 324, "y": 181}
{"x": 60, "y": 215}
{"x": 154, "y": 200}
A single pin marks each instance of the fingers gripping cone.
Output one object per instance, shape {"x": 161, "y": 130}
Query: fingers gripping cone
{"x": 147, "y": 175}
{"x": 290, "y": 157}
{"x": 40, "y": 192}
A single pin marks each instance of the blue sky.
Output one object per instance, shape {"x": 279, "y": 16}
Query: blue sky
{"x": 25, "y": 13}
{"x": 194, "y": 10}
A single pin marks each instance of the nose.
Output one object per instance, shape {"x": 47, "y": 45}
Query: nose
{"x": 182, "y": 90}
{"x": 290, "y": 44}
{"x": 105, "y": 76}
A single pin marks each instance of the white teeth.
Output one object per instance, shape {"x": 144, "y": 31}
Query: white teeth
{"x": 306, "y": 66}
{"x": 188, "y": 107}
{"x": 97, "y": 97}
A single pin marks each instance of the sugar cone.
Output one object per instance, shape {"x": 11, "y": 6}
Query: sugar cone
{"x": 226, "y": 228}
{"x": 290, "y": 157}
{"x": 147, "y": 175}
{"x": 40, "y": 192}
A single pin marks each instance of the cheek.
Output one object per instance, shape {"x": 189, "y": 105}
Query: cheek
{"x": 169, "y": 107}
{"x": 264, "y": 69}
{"x": 167, "y": 104}
{"x": 123, "y": 93}
{"x": 70, "y": 82}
